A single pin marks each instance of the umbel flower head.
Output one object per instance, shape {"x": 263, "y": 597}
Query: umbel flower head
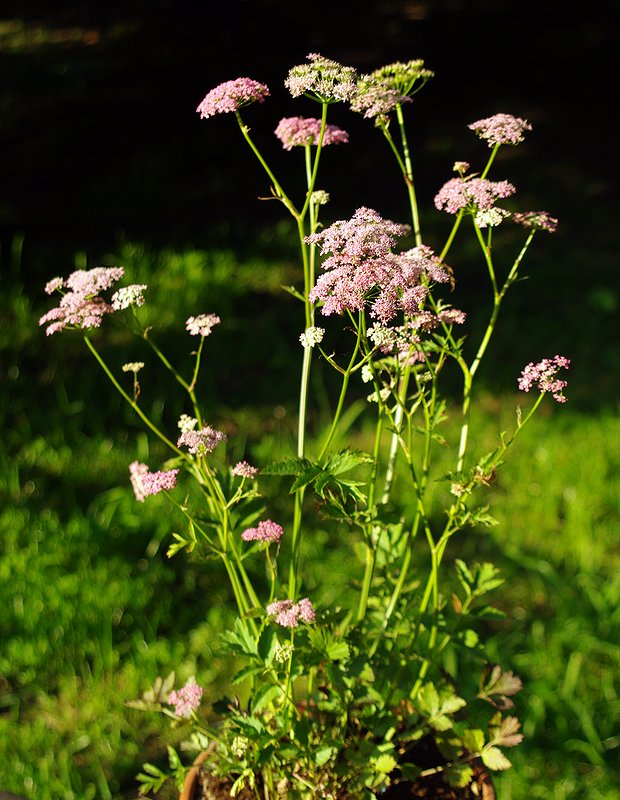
{"x": 201, "y": 442}
{"x": 543, "y": 375}
{"x": 536, "y": 220}
{"x": 322, "y": 79}
{"x": 81, "y": 306}
{"x": 289, "y": 614}
{"x": 381, "y": 91}
{"x": 501, "y": 129}
{"x": 231, "y": 96}
{"x": 266, "y": 531}
{"x": 147, "y": 483}
{"x": 302, "y": 131}
{"x": 202, "y": 325}
{"x": 475, "y": 194}
{"x": 187, "y": 699}
{"x": 362, "y": 269}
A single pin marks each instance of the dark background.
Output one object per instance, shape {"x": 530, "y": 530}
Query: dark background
{"x": 100, "y": 142}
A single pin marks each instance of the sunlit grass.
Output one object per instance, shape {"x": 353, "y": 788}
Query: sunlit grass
{"x": 93, "y": 610}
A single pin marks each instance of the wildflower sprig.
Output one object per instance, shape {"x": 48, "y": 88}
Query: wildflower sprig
{"x": 338, "y": 695}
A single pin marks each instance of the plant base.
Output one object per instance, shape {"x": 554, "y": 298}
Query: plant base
{"x": 200, "y": 785}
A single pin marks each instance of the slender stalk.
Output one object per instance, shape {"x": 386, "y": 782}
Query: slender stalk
{"x": 408, "y": 174}
{"x": 279, "y": 191}
{"x": 369, "y": 568}
{"x": 343, "y": 389}
{"x": 189, "y": 387}
{"x": 469, "y": 372}
{"x": 132, "y": 402}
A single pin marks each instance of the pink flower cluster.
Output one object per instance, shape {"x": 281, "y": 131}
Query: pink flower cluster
{"x": 244, "y": 470}
{"x": 375, "y": 99}
{"x": 81, "y": 306}
{"x": 231, "y": 96}
{"x": 147, "y": 483}
{"x": 536, "y": 220}
{"x": 302, "y": 131}
{"x": 543, "y": 375}
{"x": 201, "y": 442}
{"x": 363, "y": 269}
{"x": 323, "y": 79}
{"x": 267, "y": 531}
{"x": 473, "y": 193}
{"x": 289, "y": 614}
{"x": 501, "y": 129}
{"x": 202, "y": 325}
{"x": 187, "y": 699}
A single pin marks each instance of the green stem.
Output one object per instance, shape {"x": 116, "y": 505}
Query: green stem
{"x": 343, "y": 389}
{"x": 469, "y": 372}
{"x": 317, "y": 156}
{"x": 369, "y": 569}
{"x": 279, "y": 191}
{"x": 132, "y": 402}
{"x": 189, "y": 387}
{"x": 408, "y": 175}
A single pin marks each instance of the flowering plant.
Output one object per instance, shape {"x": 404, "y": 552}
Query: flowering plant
{"x": 337, "y": 699}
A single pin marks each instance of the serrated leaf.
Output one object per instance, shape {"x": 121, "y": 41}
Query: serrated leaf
{"x": 240, "y": 640}
{"x": 384, "y": 764}
{"x": 438, "y": 707}
{"x": 498, "y": 685}
{"x": 322, "y": 755}
{"x": 473, "y": 740}
{"x": 151, "y": 780}
{"x": 245, "y": 672}
{"x": 173, "y": 759}
{"x": 464, "y": 575}
{"x": 289, "y": 466}
{"x": 305, "y": 477}
{"x": 264, "y": 696}
{"x": 428, "y": 700}
{"x": 179, "y": 544}
{"x": 328, "y": 644}
{"x": 493, "y": 758}
{"x": 505, "y": 733}
{"x": 458, "y": 775}
{"x": 344, "y": 460}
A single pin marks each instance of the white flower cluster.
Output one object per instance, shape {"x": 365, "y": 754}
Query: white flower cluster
{"x": 282, "y": 652}
{"x": 312, "y": 336}
{"x": 128, "y": 296}
{"x": 187, "y": 423}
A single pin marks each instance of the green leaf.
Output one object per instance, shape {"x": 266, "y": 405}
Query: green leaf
{"x": 240, "y": 640}
{"x": 344, "y": 460}
{"x": 497, "y": 686}
{"x": 173, "y": 759}
{"x": 289, "y": 466}
{"x": 323, "y": 755}
{"x": 473, "y": 740}
{"x": 264, "y": 696}
{"x": 493, "y": 758}
{"x": 384, "y": 764}
{"x": 151, "y": 780}
{"x": 328, "y": 644}
{"x": 439, "y": 707}
{"x": 458, "y": 775}
{"x": 505, "y": 731}
{"x": 305, "y": 477}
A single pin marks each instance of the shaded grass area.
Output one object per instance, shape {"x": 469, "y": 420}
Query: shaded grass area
{"x": 94, "y": 610}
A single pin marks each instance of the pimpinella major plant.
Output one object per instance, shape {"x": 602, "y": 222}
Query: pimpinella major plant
{"x": 337, "y": 700}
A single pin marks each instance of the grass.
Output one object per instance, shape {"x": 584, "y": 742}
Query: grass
{"x": 93, "y": 610}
